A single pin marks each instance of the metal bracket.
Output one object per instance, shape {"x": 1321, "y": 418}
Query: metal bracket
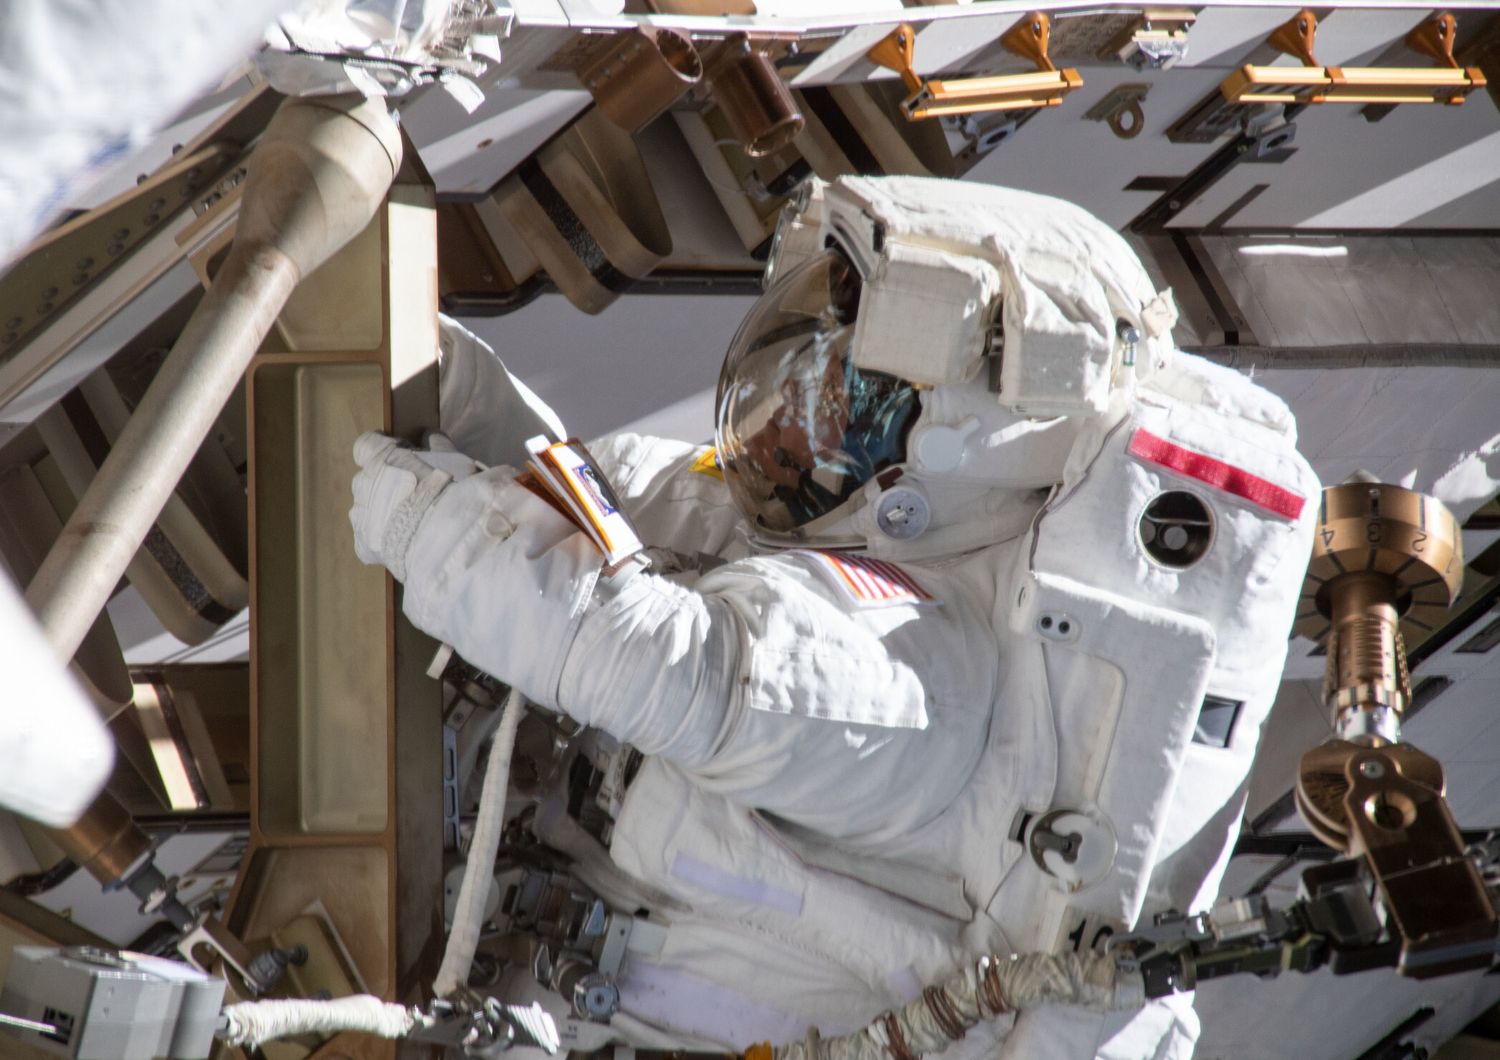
{"x": 486, "y": 1027}
{"x": 1433, "y": 37}
{"x": 894, "y": 52}
{"x": 1313, "y": 83}
{"x": 1295, "y": 37}
{"x": 933, "y": 98}
{"x": 1157, "y": 40}
{"x": 1030, "y": 38}
{"x": 1121, "y": 109}
{"x": 65, "y": 262}
{"x": 1075, "y": 847}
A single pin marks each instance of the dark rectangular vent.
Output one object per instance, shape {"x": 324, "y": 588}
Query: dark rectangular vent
{"x": 1216, "y": 718}
{"x": 1482, "y": 641}
{"x": 62, "y": 1021}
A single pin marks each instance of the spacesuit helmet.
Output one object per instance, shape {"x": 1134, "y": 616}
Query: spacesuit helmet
{"x": 800, "y": 428}
{"x": 923, "y": 357}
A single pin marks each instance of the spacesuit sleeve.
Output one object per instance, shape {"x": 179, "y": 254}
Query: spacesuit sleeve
{"x": 487, "y": 412}
{"x": 694, "y": 676}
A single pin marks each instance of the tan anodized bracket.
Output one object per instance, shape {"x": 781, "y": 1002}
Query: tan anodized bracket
{"x": 932, "y": 98}
{"x": 1314, "y": 83}
{"x": 1385, "y": 557}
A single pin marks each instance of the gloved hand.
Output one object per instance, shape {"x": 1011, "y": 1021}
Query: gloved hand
{"x": 442, "y": 454}
{"x": 392, "y": 492}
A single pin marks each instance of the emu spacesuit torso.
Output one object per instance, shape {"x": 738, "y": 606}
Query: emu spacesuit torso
{"x": 858, "y": 760}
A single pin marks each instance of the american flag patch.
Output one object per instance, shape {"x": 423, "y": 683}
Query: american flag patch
{"x": 869, "y": 582}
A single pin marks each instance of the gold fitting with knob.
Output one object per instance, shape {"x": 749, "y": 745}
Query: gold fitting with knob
{"x": 1386, "y": 561}
{"x": 755, "y": 101}
{"x": 634, "y": 77}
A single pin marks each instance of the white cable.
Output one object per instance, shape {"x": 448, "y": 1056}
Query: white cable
{"x": 252, "y": 1022}
{"x": 479, "y": 869}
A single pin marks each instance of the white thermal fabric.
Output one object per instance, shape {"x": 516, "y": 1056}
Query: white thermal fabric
{"x": 254, "y": 1022}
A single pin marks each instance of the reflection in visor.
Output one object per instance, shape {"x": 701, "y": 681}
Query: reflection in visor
{"x": 800, "y": 428}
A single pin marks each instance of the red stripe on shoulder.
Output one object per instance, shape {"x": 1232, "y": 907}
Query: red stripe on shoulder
{"x": 1233, "y": 480}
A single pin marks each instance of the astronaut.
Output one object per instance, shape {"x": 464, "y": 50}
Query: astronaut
{"x": 976, "y": 611}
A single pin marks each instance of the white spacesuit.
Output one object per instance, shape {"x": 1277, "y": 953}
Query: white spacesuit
{"x": 1007, "y": 592}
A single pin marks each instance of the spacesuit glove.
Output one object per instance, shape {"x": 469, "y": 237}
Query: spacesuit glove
{"x": 393, "y": 490}
{"x": 442, "y": 454}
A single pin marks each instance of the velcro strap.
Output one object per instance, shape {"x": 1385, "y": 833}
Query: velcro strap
{"x": 1233, "y": 480}
{"x": 401, "y": 527}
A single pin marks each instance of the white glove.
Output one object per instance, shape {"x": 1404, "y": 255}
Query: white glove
{"x": 442, "y": 454}
{"x": 393, "y": 490}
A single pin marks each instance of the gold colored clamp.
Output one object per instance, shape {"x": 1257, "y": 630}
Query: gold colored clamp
{"x": 1314, "y": 83}
{"x": 933, "y": 98}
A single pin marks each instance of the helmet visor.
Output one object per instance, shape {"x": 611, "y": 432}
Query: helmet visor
{"x": 800, "y": 429}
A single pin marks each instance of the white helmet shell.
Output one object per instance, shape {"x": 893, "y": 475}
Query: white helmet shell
{"x": 1013, "y": 317}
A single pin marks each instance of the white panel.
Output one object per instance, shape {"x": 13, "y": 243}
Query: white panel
{"x": 1421, "y": 190}
{"x": 702, "y": 235}
{"x": 537, "y": 12}
{"x": 145, "y": 643}
{"x": 844, "y": 60}
{"x": 1222, "y": 36}
{"x": 1058, "y": 153}
{"x": 854, "y": 10}
{"x": 1344, "y": 36}
{"x": 688, "y": 420}
{"x": 159, "y": 151}
{"x": 1348, "y": 172}
{"x": 509, "y": 128}
{"x": 947, "y": 43}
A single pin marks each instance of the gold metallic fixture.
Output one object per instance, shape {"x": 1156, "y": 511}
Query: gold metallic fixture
{"x": 1314, "y": 83}
{"x": 1121, "y": 110}
{"x": 1384, "y": 559}
{"x": 634, "y": 77}
{"x": 105, "y": 842}
{"x": 754, "y": 99}
{"x": 932, "y": 98}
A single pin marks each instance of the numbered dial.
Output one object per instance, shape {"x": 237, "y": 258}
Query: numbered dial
{"x": 1366, "y": 528}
